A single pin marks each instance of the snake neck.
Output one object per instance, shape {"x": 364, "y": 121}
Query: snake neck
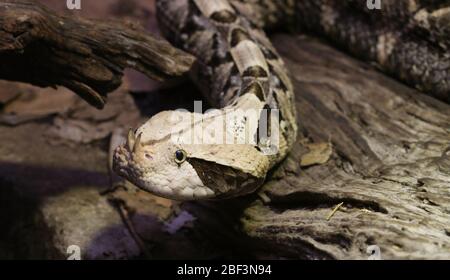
{"x": 237, "y": 66}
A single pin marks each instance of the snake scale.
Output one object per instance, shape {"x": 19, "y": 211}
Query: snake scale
{"x": 239, "y": 72}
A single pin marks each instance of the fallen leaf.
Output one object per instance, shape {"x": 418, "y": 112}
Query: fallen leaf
{"x": 319, "y": 153}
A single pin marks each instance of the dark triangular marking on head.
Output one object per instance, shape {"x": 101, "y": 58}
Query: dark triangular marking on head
{"x": 225, "y": 181}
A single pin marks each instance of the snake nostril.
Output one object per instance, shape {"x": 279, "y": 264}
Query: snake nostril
{"x": 148, "y": 156}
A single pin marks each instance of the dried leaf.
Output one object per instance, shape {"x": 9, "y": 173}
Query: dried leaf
{"x": 319, "y": 153}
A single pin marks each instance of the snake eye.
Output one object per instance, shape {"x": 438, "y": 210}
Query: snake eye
{"x": 180, "y": 156}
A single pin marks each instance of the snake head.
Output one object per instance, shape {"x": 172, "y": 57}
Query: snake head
{"x": 158, "y": 165}
{"x": 164, "y": 158}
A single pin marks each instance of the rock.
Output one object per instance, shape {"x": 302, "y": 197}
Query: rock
{"x": 28, "y": 103}
{"x": 81, "y": 217}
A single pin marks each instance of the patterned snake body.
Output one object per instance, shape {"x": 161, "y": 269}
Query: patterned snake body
{"x": 407, "y": 39}
{"x": 239, "y": 71}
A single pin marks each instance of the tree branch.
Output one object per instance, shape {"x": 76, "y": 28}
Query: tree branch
{"x": 40, "y": 47}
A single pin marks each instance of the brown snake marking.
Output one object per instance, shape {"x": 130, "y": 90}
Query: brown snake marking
{"x": 408, "y": 39}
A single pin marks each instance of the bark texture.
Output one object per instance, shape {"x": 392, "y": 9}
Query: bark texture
{"x": 390, "y": 166}
{"x": 87, "y": 56}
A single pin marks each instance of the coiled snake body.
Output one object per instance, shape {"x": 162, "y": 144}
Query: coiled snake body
{"x": 239, "y": 71}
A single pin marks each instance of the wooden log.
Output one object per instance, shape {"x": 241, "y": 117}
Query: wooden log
{"x": 390, "y": 166}
{"x": 40, "y": 47}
